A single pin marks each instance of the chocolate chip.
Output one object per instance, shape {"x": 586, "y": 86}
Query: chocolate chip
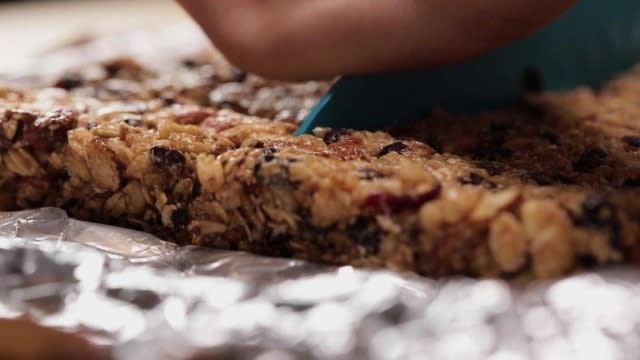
{"x": 590, "y": 159}
{"x": 166, "y": 158}
{"x": 366, "y": 233}
{"x": 69, "y": 81}
{"x": 397, "y": 147}
{"x": 632, "y": 140}
{"x": 259, "y": 145}
{"x": 472, "y": 179}
{"x": 333, "y": 136}
{"x": 631, "y": 183}
{"x": 532, "y": 81}
{"x": 397, "y": 203}
{"x": 550, "y": 136}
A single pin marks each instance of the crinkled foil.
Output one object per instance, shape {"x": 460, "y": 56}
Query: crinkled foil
{"x": 148, "y": 299}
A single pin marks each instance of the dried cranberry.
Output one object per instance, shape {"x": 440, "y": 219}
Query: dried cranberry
{"x": 349, "y": 149}
{"x": 397, "y": 147}
{"x": 394, "y": 203}
{"x": 49, "y": 131}
{"x": 166, "y": 158}
{"x": 194, "y": 117}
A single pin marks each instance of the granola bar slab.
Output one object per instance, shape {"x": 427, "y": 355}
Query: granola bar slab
{"x": 198, "y": 159}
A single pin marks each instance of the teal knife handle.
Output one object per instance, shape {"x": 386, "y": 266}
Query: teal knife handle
{"x": 595, "y": 38}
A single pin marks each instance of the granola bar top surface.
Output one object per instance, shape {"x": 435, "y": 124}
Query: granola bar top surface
{"x": 204, "y": 155}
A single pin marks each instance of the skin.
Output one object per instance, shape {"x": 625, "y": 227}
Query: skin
{"x": 313, "y": 39}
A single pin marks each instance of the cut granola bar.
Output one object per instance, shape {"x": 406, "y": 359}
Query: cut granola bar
{"x": 541, "y": 190}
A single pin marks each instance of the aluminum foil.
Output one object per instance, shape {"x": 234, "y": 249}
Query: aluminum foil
{"x": 148, "y": 299}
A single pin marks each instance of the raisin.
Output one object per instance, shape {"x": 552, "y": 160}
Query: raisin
{"x": 333, "y": 136}
{"x": 274, "y": 171}
{"x": 499, "y": 128}
{"x": 180, "y": 217}
{"x": 472, "y": 179}
{"x": 12, "y": 126}
{"x": 49, "y": 131}
{"x": 632, "y": 140}
{"x": 269, "y": 154}
{"x": 550, "y": 136}
{"x": 588, "y": 261}
{"x": 366, "y": 233}
{"x": 168, "y": 100}
{"x": 597, "y": 212}
{"x": 493, "y": 168}
{"x": 397, "y": 203}
{"x": 532, "y": 81}
{"x": 113, "y": 69}
{"x": 590, "y": 159}
{"x": 278, "y": 245}
{"x": 189, "y": 63}
{"x": 397, "y": 147}
{"x": 166, "y": 158}
{"x": 69, "y": 81}
{"x": 631, "y": 183}
{"x": 541, "y": 178}
{"x": 238, "y": 75}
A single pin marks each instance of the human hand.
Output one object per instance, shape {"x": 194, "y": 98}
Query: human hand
{"x": 312, "y": 39}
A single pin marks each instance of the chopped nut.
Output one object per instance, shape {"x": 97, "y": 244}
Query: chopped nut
{"x": 493, "y": 202}
{"x": 508, "y": 242}
{"x": 549, "y": 229}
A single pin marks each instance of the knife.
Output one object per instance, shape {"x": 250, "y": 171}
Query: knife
{"x": 589, "y": 45}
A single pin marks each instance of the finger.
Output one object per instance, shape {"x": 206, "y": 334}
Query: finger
{"x": 294, "y": 39}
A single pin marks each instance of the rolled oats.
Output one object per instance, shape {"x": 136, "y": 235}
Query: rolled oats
{"x": 537, "y": 191}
